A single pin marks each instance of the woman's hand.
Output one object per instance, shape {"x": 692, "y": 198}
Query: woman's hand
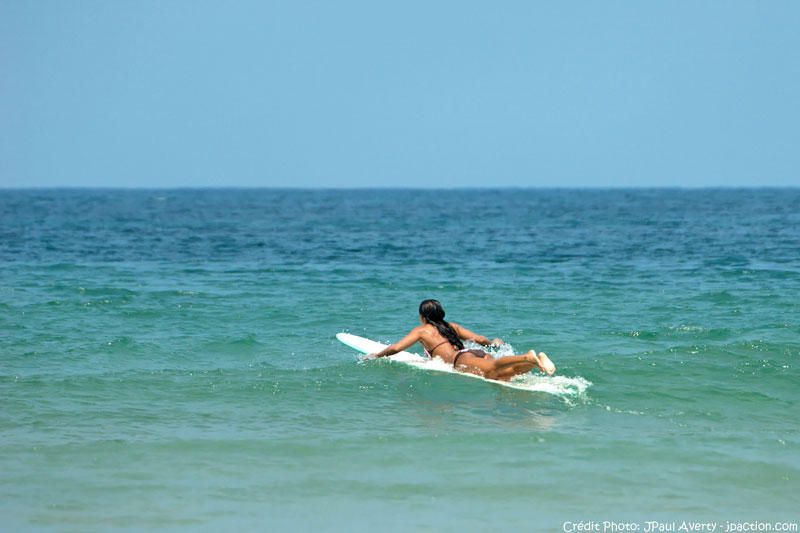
{"x": 370, "y": 356}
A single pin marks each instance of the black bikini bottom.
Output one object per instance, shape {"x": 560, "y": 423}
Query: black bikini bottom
{"x": 473, "y": 352}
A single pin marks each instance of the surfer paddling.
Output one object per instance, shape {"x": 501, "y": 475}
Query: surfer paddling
{"x": 443, "y": 339}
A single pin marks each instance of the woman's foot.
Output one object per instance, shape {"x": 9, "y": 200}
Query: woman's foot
{"x": 546, "y": 364}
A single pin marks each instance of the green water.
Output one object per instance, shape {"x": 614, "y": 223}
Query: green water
{"x": 168, "y": 359}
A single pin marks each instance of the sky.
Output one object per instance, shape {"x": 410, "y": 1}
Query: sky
{"x": 174, "y": 93}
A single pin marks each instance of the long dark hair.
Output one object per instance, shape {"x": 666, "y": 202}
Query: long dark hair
{"x": 433, "y": 312}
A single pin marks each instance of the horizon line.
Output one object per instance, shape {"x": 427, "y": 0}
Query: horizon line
{"x": 394, "y": 187}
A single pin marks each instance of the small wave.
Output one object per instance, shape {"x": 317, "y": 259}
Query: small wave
{"x": 234, "y": 344}
{"x": 122, "y": 342}
{"x": 107, "y": 292}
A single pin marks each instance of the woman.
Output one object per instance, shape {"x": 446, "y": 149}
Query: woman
{"x": 443, "y": 339}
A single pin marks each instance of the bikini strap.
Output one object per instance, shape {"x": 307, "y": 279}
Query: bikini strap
{"x": 430, "y": 352}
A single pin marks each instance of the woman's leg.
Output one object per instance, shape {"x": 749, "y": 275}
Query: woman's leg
{"x": 508, "y": 372}
{"x": 543, "y": 363}
{"x": 511, "y": 365}
{"x": 505, "y": 368}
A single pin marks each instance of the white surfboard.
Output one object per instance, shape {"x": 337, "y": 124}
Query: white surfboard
{"x": 559, "y": 385}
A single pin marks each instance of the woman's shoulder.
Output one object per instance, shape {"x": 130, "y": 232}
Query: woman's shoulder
{"x": 426, "y": 330}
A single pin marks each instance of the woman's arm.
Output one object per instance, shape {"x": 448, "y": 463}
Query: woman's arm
{"x": 467, "y": 335}
{"x": 399, "y": 346}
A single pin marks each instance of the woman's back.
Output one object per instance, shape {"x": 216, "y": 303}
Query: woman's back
{"x": 436, "y": 344}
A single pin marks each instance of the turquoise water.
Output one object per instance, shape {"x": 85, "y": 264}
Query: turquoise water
{"x": 168, "y": 359}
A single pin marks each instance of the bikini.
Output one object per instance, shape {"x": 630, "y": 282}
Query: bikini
{"x": 477, "y": 353}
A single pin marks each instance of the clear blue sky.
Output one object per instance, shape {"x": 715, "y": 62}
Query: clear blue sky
{"x": 419, "y": 94}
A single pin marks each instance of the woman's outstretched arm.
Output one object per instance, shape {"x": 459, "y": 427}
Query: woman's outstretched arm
{"x": 467, "y": 335}
{"x": 399, "y": 346}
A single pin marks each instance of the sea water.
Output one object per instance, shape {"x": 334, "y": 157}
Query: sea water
{"x": 168, "y": 358}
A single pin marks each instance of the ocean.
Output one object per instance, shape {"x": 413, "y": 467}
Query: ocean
{"x": 168, "y": 359}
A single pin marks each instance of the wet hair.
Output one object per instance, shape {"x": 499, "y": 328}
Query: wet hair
{"x": 433, "y": 312}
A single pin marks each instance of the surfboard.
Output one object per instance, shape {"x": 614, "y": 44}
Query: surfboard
{"x": 559, "y": 385}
